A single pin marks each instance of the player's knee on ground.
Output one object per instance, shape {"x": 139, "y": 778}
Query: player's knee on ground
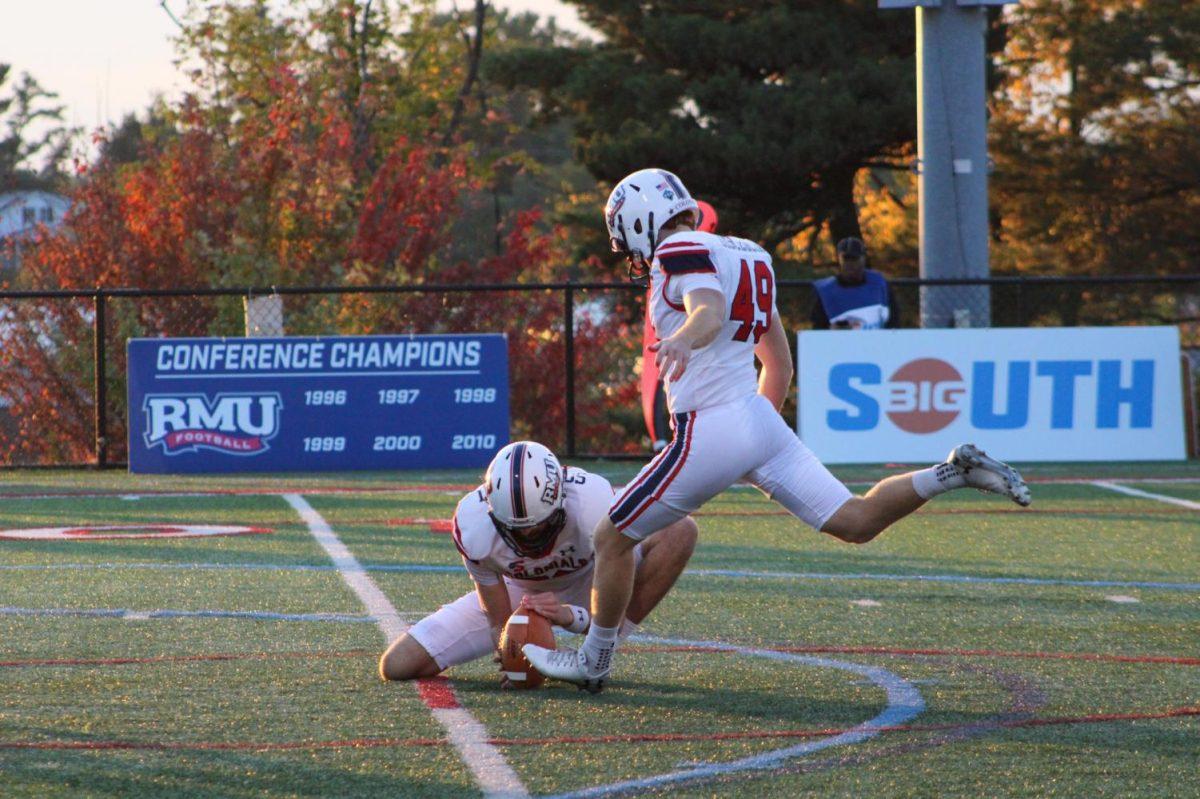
{"x": 854, "y": 523}
{"x": 406, "y": 659}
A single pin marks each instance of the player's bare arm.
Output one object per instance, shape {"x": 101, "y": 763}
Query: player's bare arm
{"x": 546, "y": 603}
{"x": 773, "y": 351}
{"x": 495, "y": 603}
{"x": 706, "y": 314}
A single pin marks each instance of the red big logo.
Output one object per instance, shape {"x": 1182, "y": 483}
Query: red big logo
{"x": 924, "y": 395}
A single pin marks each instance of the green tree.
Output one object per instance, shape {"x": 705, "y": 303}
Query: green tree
{"x": 34, "y": 142}
{"x": 521, "y": 165}
{"x": 767, "y": 109}
{"x": 1096, "y": 137}
{"x": 135, "y": 136}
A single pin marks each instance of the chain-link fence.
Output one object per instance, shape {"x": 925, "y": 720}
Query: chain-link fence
{"x": 575, "y": 348}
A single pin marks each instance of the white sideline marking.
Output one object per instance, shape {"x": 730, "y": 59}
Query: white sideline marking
{"x": 865, "y": 603}
{"x": 1121, "y": 599}
{"x": 904, "y": 702}
{"x": 1135, "y": 492}
{"x": 350, "y": 569}
{"x": 491, "y": 771}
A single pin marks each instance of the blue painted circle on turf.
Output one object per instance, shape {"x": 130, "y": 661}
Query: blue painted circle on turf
{"x": 904, "y": 703}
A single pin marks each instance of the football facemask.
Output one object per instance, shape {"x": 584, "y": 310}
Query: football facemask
{"x": 638, "y": 268}
{"x": 534, "y": 541}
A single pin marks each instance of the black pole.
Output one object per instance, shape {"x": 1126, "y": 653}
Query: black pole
{"x": 101, "y": 385}
{"x": 569, "y": 357}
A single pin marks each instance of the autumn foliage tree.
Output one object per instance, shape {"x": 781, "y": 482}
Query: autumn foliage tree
{"x": 319, "y": 145}
{"x": 1096, "y": 136}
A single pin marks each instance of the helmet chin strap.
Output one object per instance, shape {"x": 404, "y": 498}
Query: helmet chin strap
{"x": 639, "y": 270}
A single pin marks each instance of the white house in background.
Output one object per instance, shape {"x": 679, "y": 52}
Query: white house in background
{"x": 21, "y": 212}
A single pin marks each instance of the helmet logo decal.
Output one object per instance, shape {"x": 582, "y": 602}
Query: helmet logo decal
{"x": 667, "y": 176}
{"x": 517, "y": 466}
{"x": 553, "y": 481}
{"x": 615, "y": 203}
{"x": 666, "y": 191}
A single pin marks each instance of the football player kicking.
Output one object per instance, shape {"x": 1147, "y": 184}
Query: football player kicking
{"x": 713, "y": 305}
{"x": 525, "y": 537}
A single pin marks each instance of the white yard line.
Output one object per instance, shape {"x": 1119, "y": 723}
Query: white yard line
{"x": 1134, "y": 492}
{"x": 487, "y": 764}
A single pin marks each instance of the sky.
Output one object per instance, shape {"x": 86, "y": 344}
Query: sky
{"x": 107, "y": 58}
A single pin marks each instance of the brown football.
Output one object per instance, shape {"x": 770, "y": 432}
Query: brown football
{"x": 523, "y": 627}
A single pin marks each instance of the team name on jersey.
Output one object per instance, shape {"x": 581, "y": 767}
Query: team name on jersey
{"x": 560, "y": 565}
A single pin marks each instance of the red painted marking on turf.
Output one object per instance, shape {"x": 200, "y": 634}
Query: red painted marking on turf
{"x": 118, "y": 532}
{"x": 1095, "y": 718}
{"x": 966, "y": 653}
{"x": 183, "y": 492}
{"x": 206, "y": 657}
{"x": 256, "y": 746}
{"x": 434, "y": 525}
{"x": 999, "y": 511}
{"x": 670, "y": 737}
{"x": 436, "y": 693}
{"x": 436, "y": 487}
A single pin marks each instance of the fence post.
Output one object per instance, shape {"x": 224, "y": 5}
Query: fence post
{"x": 101, "y": 384}
{"x": 569, "y": 357}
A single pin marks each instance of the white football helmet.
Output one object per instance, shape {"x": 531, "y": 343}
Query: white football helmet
{"x": 638, "y": 208}
{"x": 525, "y": 497}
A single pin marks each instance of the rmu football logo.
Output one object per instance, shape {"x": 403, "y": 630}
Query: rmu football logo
{"x": 553, "y": 481}
{"x": 235, "y": 424}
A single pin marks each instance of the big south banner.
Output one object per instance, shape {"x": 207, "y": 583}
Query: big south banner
{"x": 317, "y": 404}
{"x": 1025, "y": 394}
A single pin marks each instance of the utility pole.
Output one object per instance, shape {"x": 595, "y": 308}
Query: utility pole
{"x": 952, "y": 160}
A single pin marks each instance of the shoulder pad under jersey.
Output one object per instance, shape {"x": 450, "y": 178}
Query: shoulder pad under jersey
{"x": 473, "y": 533}
{"x": 689, "y": 252}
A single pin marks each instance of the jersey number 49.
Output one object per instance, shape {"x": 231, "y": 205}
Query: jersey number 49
{"x": 753, "y": 301}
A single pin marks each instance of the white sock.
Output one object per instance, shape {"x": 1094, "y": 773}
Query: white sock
{"x": 928, "y": 483}
{"x": 626, "y": 629}
{"x": 598, "y": 646}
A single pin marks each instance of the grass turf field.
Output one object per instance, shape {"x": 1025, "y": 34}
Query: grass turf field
{"x": 973, "y": 649}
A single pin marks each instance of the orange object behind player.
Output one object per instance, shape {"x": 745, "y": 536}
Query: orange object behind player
{"x": 524, "y": 627}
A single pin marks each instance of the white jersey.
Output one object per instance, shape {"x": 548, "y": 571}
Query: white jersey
{"x": 741, "y": 270}
{"x": 489, "y": 559}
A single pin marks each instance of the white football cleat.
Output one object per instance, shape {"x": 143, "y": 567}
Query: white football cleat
{"x": 565, "y": 664}
{"x": 988, "y": 474}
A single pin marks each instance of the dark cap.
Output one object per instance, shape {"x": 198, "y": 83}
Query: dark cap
{"x": 851, "y": 247}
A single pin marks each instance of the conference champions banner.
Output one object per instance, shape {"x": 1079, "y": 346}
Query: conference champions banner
{"x": 316, "y": 404}
{"x": 1024, "y": 394}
